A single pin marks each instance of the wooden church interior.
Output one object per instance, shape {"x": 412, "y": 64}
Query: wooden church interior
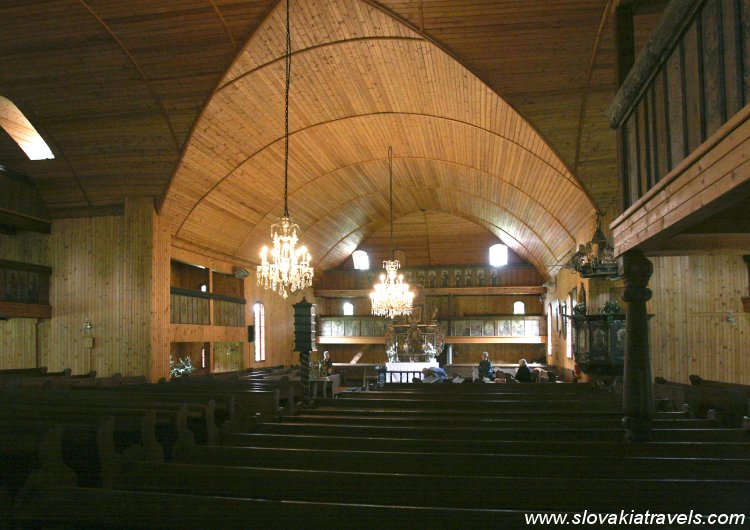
{"x": 132, "y": 252}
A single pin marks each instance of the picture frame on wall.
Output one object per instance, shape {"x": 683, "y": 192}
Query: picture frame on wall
{"x": 489, "y": 328}
{"x": 326, "y": 329}
{"x": 518, "y": 328}
{"x": 476, "y": 328}
{"x": 503, "y": 328}
{"x": 531, "y": 328}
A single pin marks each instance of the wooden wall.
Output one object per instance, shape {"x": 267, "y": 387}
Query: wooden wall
{"x": 19, "y": 337}
{"x": 113, "y": 270}
{"x": 279, "y": 317}
{"x": 227, "y": 356}
{"x": 698, "y": 327}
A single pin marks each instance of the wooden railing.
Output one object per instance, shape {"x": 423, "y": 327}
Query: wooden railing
{"x": 436, "y": 277}
{"x": 691, "y": 77}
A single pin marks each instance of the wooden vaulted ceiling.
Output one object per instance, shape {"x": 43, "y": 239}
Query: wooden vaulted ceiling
{"x": 131, "y": 95}
{"x": 363, "y": 81}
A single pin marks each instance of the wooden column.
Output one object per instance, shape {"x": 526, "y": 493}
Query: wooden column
{"x": 637, "y": 396}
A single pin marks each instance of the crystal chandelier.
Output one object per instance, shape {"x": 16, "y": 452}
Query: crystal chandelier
{"x": 596, "y": 258}
{"x": 287, "y": 268}
{"x": 391, "y": 297}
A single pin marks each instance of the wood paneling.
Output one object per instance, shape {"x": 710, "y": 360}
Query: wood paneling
{"x": 227, "y": 356}
{"x": 18, "y": 343}
{"x": 458, "y": 147}
{"x": 698, "y": 325}
{"x": 160, "y": 283}
{"x": 709, "y": 179}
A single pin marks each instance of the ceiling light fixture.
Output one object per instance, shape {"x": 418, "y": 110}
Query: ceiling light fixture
{"x": 391, "y": 297}
{"x": 288, "y": 266}
{"x": 596, "y": 258}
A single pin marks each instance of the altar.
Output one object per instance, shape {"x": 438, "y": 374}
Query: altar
{"x": 405, "y": 372}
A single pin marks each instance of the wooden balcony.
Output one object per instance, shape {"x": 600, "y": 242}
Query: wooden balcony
{"x": 683, "y": 134}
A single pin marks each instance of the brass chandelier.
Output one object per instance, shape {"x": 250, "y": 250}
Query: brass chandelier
{"x": 287, "y": 268}
{"x": 596, "y": 258}
{"x": 391, "y": 297}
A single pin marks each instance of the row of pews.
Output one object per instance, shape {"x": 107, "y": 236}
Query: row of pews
{"x": 441, "y": 456}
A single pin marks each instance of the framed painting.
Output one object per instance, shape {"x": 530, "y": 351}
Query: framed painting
{"x": 518, "y": 328}
{"x": 503, "y": 328}
{"x": 489, "y": 328}
{"x": 531, "y": 328}
{"x": 476, "y": 328}
{"x": 326, "y": 329}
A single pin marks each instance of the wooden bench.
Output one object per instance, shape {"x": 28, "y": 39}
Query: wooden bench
{"x": 60, "y": 506}
{"x": 439, "y": 463}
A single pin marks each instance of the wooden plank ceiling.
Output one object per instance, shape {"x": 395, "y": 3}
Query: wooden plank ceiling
{"x": 116, "y": 88}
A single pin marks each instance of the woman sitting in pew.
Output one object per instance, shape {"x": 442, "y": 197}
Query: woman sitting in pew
{"x": 486, "y": 372}
{"x": 523, "y": 374}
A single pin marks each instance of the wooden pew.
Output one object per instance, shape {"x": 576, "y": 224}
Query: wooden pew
{"x": 679, "y": 449}
{"x": 463, "y": 463}
{"x": 451, "y": 490}
{"x": 93, "y": 508}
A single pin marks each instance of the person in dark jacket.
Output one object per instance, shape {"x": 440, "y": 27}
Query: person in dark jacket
{"x": 485, "y": 368}
{"x": 523, "y": 374}
{"x": 434, "y": 374}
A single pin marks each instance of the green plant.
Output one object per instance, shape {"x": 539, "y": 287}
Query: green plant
{"x": 579, "y": 309}
{"x": 611, "y": 307}
{"x": 181, "y": 367}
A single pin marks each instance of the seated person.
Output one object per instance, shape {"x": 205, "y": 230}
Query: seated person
{"x": 523, "y": 374}
{"x": 434, "y": 374}
{"x": 486, "y": 372}
{"x": 327, "y": 364}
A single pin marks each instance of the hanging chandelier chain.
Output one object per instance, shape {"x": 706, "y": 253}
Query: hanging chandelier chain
{"x": 390, "y": 199}
{"x": 285, "y": 266}
{"x": 286, "y": 109}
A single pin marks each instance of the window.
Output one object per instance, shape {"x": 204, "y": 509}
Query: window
{"x": 549, "y": 330}
{"x": 348, "y": 308}
{"x": 498, "y": 255}
{"x": 203, "y": 357}
{"x": 204, "y": 287}
{"x": 569, "y": 330}
{"x": 260, "y": 331}
{"x": 361, "y": 260}
{"x": 519, "y": 308}
{"x": 23, "y": 133}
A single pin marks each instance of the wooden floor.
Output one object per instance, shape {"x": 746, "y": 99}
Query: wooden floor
{"x": 424, "y": 456}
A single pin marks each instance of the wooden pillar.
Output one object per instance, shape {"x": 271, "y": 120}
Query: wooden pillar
{"x": 637, "y": 398}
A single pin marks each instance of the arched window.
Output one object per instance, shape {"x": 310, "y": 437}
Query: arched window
{"x": 348, "y": 308}
{"x": 549, "y": 330}
{"x": 361, "y": 260}
{"x": 260, "y": 331}
{"x": 519, "y": 308}
{"x": 569, "y": 330}
{"x": 204, "y": 287}
{"x": 498, "y": 255}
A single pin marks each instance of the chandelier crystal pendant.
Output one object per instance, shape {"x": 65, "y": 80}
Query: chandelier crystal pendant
{"x": 287, "y": 268}
{"x": 391, "y": 297}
